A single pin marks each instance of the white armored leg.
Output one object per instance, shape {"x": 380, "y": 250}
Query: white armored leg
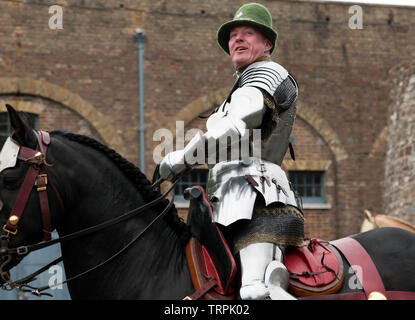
{"x": 277, "y": 277}
{"x": 254, "y": 260}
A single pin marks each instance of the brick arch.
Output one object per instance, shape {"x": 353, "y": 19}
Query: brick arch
{"x": 73, "y": 101}
{"x": 206, "y": 102}
{"x": 199, "y": 106}
{"x": 322, "y": 127}
{"x": 26, "y": 106}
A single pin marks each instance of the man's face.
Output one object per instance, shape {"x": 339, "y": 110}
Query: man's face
{"x": 246, "y": 45}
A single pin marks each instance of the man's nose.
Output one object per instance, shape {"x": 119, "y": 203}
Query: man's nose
{"x": 239, "y": 37}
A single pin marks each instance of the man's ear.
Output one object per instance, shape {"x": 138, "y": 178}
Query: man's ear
{"x": 268, "y": 46}
{"x": 22, "y": 133}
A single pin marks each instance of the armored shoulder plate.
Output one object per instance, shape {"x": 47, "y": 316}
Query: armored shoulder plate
{"x": 279, "y": 85}
{"x": 266, "y": 75}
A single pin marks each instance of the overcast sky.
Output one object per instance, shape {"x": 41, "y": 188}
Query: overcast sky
{"x": 385, "y": 2}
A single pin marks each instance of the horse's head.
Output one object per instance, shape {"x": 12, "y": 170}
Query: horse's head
{"x": 26, "y": 198}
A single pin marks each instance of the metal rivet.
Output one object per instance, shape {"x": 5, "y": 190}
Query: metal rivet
{"x": 14, "y": 220}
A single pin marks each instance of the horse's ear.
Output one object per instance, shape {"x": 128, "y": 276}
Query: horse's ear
{"x": 368, "y": 215}
{"x": 22, "y": 132}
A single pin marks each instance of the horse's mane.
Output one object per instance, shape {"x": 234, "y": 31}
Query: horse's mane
{"x": 138, "y": 178}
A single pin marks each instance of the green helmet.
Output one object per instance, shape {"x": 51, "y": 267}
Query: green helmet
{"x": 252, "y": 14}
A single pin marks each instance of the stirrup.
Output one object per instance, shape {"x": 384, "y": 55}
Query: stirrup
{"x": 276, "y": 274}
{"x": 254, "y": 291}
{"x": 276, "y": 279}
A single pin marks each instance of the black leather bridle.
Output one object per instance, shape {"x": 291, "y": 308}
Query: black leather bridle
{"x": 37, "y": 161}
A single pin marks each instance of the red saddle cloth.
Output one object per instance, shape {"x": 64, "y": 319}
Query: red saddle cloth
{"x": 204, "y": 268}
{"x": 315, "y": 269}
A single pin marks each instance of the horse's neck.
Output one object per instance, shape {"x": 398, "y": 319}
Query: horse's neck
{"x": 381, "y": 220}
{"x": 94, "y": 189}
{"x": 154, "y": 260}
{"x": 389, "y": 221}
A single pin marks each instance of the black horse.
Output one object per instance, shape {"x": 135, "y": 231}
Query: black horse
{"x": 93, "y": 184}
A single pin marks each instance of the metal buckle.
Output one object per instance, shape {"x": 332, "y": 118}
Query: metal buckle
{"x": 260, "y": 166}
{"x": 39, "y": 156}
{"x": 21, "y": 251}
{"x": 45, "y": 176}
{"x": 9, "y": 231}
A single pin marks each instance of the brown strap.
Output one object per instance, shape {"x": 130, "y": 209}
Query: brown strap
{"x": 23, "y": 196}
{"x": 41, "y": 182}
{"x": 203, "y": 289}
{"x": 400, "y": 295}
{"x": 44, "y": 140}
{"x": 26, "y": 153}
{"x": 358, "y": 256}
{"x": 251, "y": 180}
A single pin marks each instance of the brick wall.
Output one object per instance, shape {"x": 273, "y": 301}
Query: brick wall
{"x": 92, "y": 64}
{"x": 400, "y": 159}
{"x": 94, "y": 56}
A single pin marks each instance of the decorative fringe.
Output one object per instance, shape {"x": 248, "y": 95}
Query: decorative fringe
{"x": 280, "y": 210}
{"x": 282, "y": 226}
{"x": 278, "y": 240}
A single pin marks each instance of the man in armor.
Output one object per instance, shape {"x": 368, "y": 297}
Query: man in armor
{"x": 252, "y": 199}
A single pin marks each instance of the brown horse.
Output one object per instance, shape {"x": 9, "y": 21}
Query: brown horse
{"x": 379, "y": 221}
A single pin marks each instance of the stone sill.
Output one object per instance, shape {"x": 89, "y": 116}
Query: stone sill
{"x": 316, "y": 206}
{"x": 182, "y": 204}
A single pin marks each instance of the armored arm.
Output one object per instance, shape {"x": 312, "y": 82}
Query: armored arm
{"x": 245, "y": 111}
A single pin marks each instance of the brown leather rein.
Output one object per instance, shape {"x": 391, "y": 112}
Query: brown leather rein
{"x": 37, "y": 176}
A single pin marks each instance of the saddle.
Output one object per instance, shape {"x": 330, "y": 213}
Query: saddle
{"x": 211, "y": 263}
{"x": 315, "y": 269}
